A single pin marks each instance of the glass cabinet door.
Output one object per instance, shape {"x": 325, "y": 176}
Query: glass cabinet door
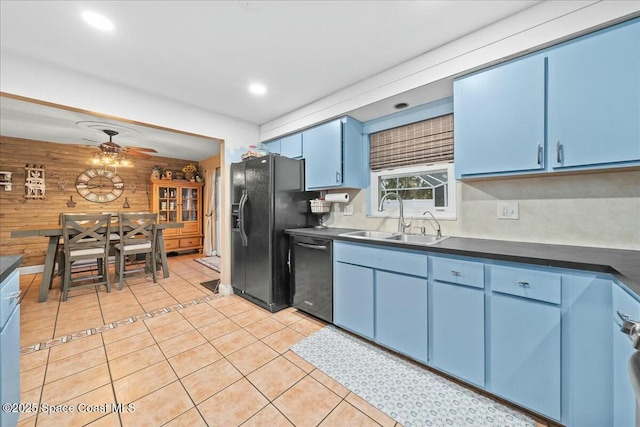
{"x": 167, "y": 204}
{"x": 190, "y": 204}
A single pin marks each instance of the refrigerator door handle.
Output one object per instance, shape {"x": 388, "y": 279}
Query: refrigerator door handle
{"x": 243, "y": 233}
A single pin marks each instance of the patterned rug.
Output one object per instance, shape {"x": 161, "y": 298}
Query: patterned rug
{"x": 213, "y": 262}
{"x": 408, "y": 393}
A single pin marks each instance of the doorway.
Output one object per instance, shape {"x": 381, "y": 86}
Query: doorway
{"x": 218, "y": 212}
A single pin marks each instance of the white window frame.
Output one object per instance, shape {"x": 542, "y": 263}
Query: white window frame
{"x": 412, "y": 208}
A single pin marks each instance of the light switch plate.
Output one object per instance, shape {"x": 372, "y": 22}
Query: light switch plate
{"x": 348, "y": 209}
{"x": 508, "y": 210}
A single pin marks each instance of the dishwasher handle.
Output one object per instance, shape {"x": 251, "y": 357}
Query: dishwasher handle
{"x": 309, "y": 246}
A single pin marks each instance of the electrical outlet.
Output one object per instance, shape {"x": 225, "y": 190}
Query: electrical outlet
{"x": 348, "y": 210}
{"x": 508, "y": 210}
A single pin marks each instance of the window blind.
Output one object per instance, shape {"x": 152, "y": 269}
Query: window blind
{"x": 424, "y": 142}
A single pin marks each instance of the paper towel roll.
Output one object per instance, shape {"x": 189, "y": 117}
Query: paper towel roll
{"x": 337, "y": 197}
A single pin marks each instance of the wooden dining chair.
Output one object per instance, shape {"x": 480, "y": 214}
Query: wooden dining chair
{"x": 86, "y": 237}
{"x": 138, "y": 234}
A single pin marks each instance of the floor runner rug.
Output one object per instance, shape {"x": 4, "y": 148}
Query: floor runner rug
{"x": 213, "y": 262}
{"x": 212, "y": 285}
{"x": 408, "y": 393}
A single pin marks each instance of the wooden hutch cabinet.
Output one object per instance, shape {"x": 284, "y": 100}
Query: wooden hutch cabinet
{"x": 179, "y": 201}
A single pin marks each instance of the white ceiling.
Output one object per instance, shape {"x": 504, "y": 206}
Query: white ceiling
{"x": 206, "y": 53}
{"x": 35, "y": 121}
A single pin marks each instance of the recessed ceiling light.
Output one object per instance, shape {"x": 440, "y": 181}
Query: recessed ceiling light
{"x": 257, "y": 89}
{"x": 97, "y": 21}
{"x": 401, "y": 105}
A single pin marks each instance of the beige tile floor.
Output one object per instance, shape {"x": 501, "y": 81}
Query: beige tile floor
{"x": 223, "y": 362}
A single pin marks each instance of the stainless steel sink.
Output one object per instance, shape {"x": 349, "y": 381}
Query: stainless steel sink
{"x": 367, "y": 234}
{"x": 417, "y": 239}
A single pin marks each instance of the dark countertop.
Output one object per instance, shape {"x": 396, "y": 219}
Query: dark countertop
{"x": 624, "y": 265}
{"x": 8, "y": 263}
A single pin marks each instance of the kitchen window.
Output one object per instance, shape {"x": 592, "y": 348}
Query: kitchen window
{"x": 416, "y": 162}
{"x": 422, "y": 188}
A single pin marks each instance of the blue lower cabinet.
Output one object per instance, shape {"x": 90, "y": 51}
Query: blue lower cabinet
{"x": 586, "y": 366}
{"x": 10, "y": 347}
{"x": 353, "y": 298}
{"x": 525, "y": 356}
{"x": 544, "y": 338}
{"x": 401, "y": 313}
{"x": 457, "y": 331}
{"x": 624, "y": 401}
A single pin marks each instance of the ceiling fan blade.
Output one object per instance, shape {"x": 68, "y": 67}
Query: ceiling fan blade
{"x": 137, "y": 154}
{"x": 150, "y": 150}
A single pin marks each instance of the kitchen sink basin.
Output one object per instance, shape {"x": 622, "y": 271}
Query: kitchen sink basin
{"x": 367, "y": 234}
{"x": 417, "y": 239}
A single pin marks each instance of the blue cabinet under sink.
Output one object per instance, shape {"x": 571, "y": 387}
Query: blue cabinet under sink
{"x": 381, "y": 294}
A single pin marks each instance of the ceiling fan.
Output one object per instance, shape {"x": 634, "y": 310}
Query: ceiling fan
{"x": 113, "y": 149}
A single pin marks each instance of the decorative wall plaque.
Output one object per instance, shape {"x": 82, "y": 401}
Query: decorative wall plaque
{"x": 34, "y": 182}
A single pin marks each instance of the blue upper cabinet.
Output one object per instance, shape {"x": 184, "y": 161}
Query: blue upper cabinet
{"x": 335, "y": 155}
{"x": 288, "y": 146}
{"x": 594, "y": 99}
{"x": 573, "y": 106}
{"x": 291, "y": 146}
{"x": 499, "y": 119}
{"x": 273, "y": 146}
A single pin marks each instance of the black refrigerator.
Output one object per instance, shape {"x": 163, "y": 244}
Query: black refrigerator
{"x": 267, "y": 196}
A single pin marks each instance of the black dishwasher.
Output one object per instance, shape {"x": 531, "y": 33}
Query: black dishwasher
{"x": 312, "y": 276}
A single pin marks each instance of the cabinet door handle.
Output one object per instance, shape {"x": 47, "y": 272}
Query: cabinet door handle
{"x": 558, "y": 152}
{"x": 15, "y": 295}
{"x": 622, "y": 317}
{"x": 539, "y": 154}
{"x": 523, "y": 283}
{"x": 455, "y": 273}
{"x": 338, "y": 180}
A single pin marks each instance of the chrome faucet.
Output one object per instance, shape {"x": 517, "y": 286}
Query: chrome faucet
{"x": 438, "y": 231}
{"x": 401, "y": 223}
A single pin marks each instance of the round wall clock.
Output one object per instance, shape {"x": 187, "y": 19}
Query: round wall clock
{"x": 99, "y": 185}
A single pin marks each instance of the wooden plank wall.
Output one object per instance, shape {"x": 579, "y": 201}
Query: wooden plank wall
{"x": 62, "y": 161}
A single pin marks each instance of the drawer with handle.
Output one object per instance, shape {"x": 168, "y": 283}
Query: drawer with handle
{"x": 526, "y": 283}
{"x": 170, "y": 245}
{"x": 457, "y": 271}
{"x": 190, "y": 242}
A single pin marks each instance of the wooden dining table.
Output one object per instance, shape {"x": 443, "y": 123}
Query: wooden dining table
{"x": 54, "y": 232}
